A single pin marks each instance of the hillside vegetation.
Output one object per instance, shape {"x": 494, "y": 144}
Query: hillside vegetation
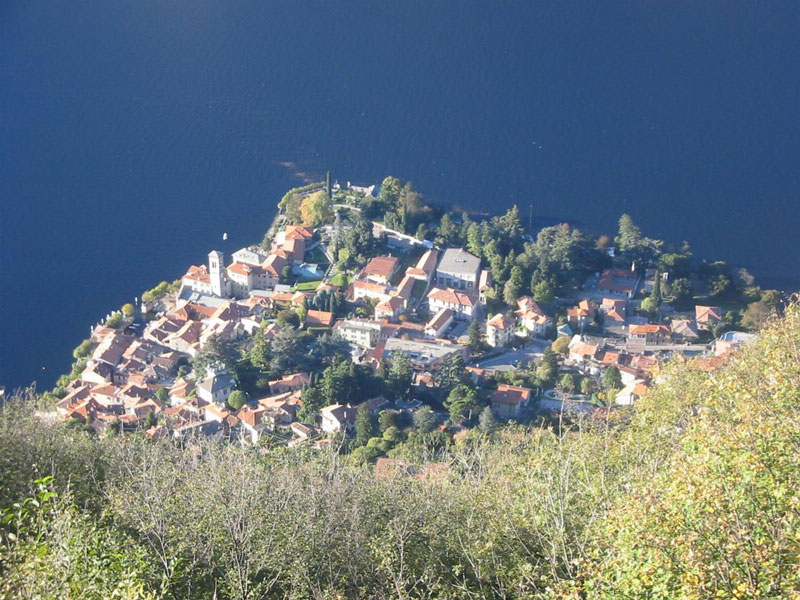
{"x": 695, "y": 493}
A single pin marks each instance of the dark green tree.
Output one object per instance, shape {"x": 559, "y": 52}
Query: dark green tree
{"x": 289, "y": 351}
{"x": 218, "y": 353}
{"x": 513, "y": 287}
{"x": 682, "y": 293}
{"x": 336, "y": 384}
{"x": 475, "y": 342}
{"x": 83, "y": 349}
{"x": 547, "y": 370}
{"x": 612, "y": 380}
{"x": 365, "y": 425}
{"x": 387, "y": 419}
{"x": 288, "y": 317}
{"x": 313, "y": 401}
{"x": 677, "y": 265}
{"x": 150, "y": 420}
{"x": 487, "y": 421}
{"x": 237, "y": 399}
{"x": 400, "y": 374}
{"x": 629, "y": 236}
{"x": 453, "y": 372}
{"x": 259, "y": 353}
{"x": 447, "y": 234}
{"x": 461, "y": 401}
{"x": 656, "y": 294}
{"x": 425, "y": 420}
{"x": 543, "y": 292}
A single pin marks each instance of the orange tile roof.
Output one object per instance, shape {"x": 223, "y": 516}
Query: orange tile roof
{"x": 319, "y": 317}
{"x": 648, "y": 328}
{"x": 274, "y": 264}
{"x": 584, "y": 349}
{"x": 499, "y": 321}
{"x": 293, "y": 380}
{"x": 427, "y": 262}
{"x": 617, "y": 280}
{"x": 511, "y": 394}
{"x": 440, "y": 318}
{"x": 198, "y": 273}
{"x": 450, "y": 296}
{"x": 704, "y": 314}
{"x": 485, "y": 280}
{"x": 243, "y": 269}
{"x": 299, "y": 232}
{"x": 391, "y": 305}
{"x": 405, "y": 287}
{"x": 380, "y": 266}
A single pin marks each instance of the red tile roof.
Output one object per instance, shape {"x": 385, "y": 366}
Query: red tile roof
{"x": 380, "y": 266}
{"x": 511, "y": 394}
{"x": 649, "y": 328}
{"x": 706, "y": 314}
{"x": 500, "y": 321}
{"x": 317, "y": 318}
{"x": 450, "y": 296}
{"x": 198, "y": 273}
{"x": 440, "y": 318}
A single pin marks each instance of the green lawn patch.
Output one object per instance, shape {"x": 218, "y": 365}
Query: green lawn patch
{"x": 308, "y": 286}
{"x": 339, "y": 279}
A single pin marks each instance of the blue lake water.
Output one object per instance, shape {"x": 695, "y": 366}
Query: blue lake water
{"x": 134, "y": 133}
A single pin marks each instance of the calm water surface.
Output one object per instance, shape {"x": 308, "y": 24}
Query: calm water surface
{"x": 133, "y": 133}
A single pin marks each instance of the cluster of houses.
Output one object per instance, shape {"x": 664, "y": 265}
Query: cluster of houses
{"x": 528, "y": 319}
{"x": 134, "y": 378}
{"x": 252, "y": 268}
{"x": 139, "y": 378}
{"x": 631, "y": 343}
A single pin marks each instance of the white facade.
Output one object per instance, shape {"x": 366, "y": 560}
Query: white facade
{"x": 215, "y": 389}
{"x": 459, "y": 302}
{"x": 362, "y": 332}
{"x": 216, "y": 273}
{"x": 337, "y": 417}
{"x": 250, "y": 256}
{"x": 439, "y": 323}
{"x": 458, "y": 269}
{"x": 367, "y": 289}
{"x": 499, "y": 330}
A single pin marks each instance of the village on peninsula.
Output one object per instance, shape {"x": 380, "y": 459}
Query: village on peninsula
{"x": 372, "y": 323}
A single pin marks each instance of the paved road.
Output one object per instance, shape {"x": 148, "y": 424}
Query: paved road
{"x": 350, "y": 206}
{"x": 508, "y": 361}
{"x": 691, "y": 348}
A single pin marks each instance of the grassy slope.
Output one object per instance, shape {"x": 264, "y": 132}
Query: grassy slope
{"x": 692, "y": 495}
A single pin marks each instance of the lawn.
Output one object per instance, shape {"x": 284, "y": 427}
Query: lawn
{"x": 339, "y": 279}
{"x": 308, "y": 286}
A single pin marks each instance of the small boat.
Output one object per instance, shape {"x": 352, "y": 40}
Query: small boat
{"x": 225, "y": 236}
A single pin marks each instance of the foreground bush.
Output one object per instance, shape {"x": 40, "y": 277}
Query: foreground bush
{"x": 693, "y": 494}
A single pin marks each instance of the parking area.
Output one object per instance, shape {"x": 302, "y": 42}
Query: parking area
{"x": 513, "y": 358}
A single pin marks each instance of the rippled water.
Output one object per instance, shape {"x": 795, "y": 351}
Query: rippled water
{"x": 133, "y": 134}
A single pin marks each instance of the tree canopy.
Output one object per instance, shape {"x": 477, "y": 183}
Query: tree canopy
{"x": 690, "y": 493}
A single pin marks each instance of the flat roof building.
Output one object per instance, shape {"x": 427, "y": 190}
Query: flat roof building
{"x": 458, "y": 269}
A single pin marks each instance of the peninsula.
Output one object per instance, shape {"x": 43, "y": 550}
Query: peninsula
{"x": 373, "y": 321}
{"x": 383, "y": 399}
